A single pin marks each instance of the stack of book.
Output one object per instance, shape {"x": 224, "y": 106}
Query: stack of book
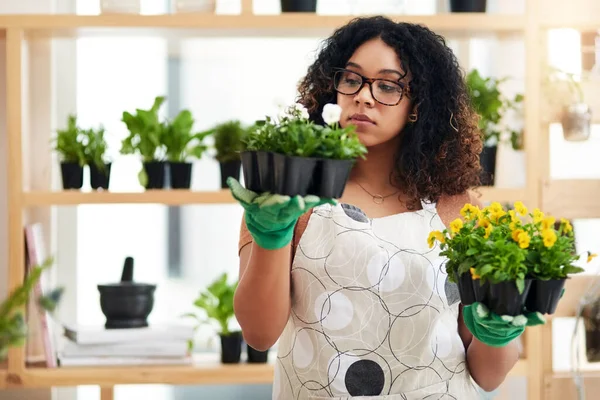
{"x": 154, "y": 345}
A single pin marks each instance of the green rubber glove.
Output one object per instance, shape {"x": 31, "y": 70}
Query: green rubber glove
{"x": 495, "y": 330}
{"x": 271, "y": 218}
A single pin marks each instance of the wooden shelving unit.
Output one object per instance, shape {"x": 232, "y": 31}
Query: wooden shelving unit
{"x": 166, "y": 197}
{"x": 206, "y": 370}
{"x": 187, "y": 197}
{"x": 564, "y": 198}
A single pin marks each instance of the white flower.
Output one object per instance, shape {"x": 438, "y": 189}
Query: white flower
{"x": 301, "y": 111}
{"x": 331, "y": 113}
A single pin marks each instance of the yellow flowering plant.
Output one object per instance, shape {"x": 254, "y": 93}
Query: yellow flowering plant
{"x": 497, "y": 245}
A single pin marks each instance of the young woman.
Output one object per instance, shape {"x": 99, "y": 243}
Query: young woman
{"x": 358, "y": 300}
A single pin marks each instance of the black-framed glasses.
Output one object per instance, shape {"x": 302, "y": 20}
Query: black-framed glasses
{"x": 384, "y": 91}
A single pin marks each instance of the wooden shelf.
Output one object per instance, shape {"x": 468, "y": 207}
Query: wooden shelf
{"x": 167, "y": 197}
{"x": 231, "y": 25}
{"x": 575, "y": 20}
{"x": 572, "y": 198}
{"x": 207, "y": 374}
{"x": 204, "y": 373}
{"x": 187, "y": 197}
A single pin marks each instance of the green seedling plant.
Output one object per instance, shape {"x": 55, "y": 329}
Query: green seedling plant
{"x": 145, "y": 132}
{"x": 13, "y": 328}
{"x": 70, "y": 143}
{"x": 491, "y": 106}
{"x": 217, "y": 303}
{"x": 229, "y": 141}
{"x": 294, "y": 134}
{"x": 179, "y": 141}
{"x": 95, "y": 151}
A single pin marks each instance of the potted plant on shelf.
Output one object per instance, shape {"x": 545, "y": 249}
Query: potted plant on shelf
{"x": 70, "y": 144}
{"x": 298, "y": 6}
{"x": 95, "y": 157}
{"x": 13, "y": 329}
{"x": 145, "y": 138}
{"x": 491, "y": 106}
{"x": 468, "y": 5}
{"x": 294, "y": 156}
{"x": 565, "y": 102}
{"x": 229, "y": 144}
{"x": 497, "y": 256}
{"x": 181, "y": 144}
{"x": 217, "y": 303}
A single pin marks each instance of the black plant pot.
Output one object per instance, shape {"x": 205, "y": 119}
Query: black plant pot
{"x": 591, "y": 320}
{"x": 292, "y": 175}
{"x": 181, "y": 175}
{"x": 100, "y": 179}
{"x": 298, "y": 5}
{"x": 465, "y": 288}
{"x": 126, "y": 304}
{"x": 155, "y": 170}
{"x": 72, "y": 175}
{"x": 504, "y": 298}
{"x": 231, "y": 348}
{"x": 229, "y": 169}
{"x": 468, "y": 5}
{"x": 487, "y": 160}
{"x": 250, "y": 170}
{"x": 481, "y": 291}
{"x": 330, "y": 178}
{"x": 256, "y": 356}
{"x": 544, "y": 295}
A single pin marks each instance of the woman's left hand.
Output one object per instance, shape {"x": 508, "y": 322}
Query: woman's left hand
{"x": 495, "y": 330}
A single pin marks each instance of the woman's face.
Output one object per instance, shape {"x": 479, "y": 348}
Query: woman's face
{"x": 376, "y": 123}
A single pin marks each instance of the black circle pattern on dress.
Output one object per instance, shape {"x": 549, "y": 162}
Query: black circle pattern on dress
{"x": 364, "y": 378}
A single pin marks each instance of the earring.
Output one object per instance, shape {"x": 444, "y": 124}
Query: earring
{"x": 413, "y": 117}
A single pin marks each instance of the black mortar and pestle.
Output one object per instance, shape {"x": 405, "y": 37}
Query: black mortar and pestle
{"x": 126, "y": 304}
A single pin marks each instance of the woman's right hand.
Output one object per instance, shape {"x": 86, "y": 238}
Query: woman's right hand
{"x": 271, "y": 218}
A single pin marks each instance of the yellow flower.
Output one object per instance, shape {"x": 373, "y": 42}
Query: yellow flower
{"x": 538, "y": 216}
{"x": 591, "y": 256}
{"x": 470, "y": 212}
{"x": 549, "y": 237}
{"x": 496, "y": 215}
{"x": 433, "y": 236}
{"x": 520, "y": 207}
{"x": 484, "y": 222}
{"x": 456, "y": 225}
{"x": 488, "y": 231}
{"x": 516, "y": 233}
{"x": 513, "y": 216}
{"x": 567, "y": 225}
{"x": 548, "y": 223}
{"x": 513, "y": 225}
{"x": 495, "y": 207}
{"x": 473, "y": 274}
{"x": 524, "y": 240}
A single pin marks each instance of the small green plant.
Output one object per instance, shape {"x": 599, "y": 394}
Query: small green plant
{"x": 179, "y": 141}
{"x": 295, "y": 135}
{"x": 229, "y": 141}
{"x": 217, "y": 304}
{"x": 70, "y": 143}
{"x": 95, "y": 150}
{"x": 492, "y": 106}
{"x": 13, "y": 329}
{"x": 145, "y": 132}
{"x": 496, "y": 245}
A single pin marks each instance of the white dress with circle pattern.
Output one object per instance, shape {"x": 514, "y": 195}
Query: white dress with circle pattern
{"x": 373, "y": 314}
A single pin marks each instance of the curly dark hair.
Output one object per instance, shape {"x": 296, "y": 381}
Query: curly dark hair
{"x": 439, "y": 153}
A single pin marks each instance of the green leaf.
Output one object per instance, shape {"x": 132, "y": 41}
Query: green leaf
{"x": 472, "y": 251}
